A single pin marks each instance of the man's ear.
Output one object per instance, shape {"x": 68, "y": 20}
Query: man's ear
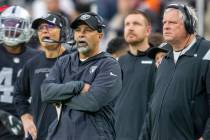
{"x": 149, "y": 29}
{"x": 101, "y": 35}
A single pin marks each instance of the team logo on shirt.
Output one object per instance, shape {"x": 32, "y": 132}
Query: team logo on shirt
{"x": 92, "y": 69}
{"x": 112, "y": 74}
{"x": 16, "y": 60}
{"x": 43, "y": 71}
{"x": 146, "y": 62}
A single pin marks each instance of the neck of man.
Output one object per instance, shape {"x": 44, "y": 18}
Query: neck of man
{"x": 142, "y": 46}
{"x": 55, "y": 52}
{"x": 14, "y": 49}
{"x": 181, "y": 45}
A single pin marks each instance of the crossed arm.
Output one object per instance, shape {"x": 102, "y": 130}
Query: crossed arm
{"x": 104, "y": 88}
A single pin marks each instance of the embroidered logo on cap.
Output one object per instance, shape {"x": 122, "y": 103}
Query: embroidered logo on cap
{"x": 52, "y": 20}
{"x": 16, "y": 60}
{"x": 85, "y": 17}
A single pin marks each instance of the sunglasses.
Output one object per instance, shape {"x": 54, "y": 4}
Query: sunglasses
{"x": 47, "y": 26}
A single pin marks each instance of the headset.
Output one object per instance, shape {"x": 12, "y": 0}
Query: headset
{"x": 65, "y": 32}
{"x": 189, "y": 21}
{"x": 100, "y": 21}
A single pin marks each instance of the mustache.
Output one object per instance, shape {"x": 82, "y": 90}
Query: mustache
{"x": 81, "y": 41}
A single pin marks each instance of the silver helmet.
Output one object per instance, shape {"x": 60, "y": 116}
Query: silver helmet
{"x": 15, "y": 26}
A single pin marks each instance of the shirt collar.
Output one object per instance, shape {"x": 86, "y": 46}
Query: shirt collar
{"x": 190, "y": 50}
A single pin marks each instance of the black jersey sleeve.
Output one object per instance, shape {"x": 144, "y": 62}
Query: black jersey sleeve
{"x": 53, "y": 90}
{"x": 22, "y": 92}
{"x": 103, "y": 90}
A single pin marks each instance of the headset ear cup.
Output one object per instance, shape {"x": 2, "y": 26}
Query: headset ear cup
{"x": 65, "y": 32}
{"x": 36, "y": 37}
{"x": 189, "y": 21}
{"x": 64, "y": 28}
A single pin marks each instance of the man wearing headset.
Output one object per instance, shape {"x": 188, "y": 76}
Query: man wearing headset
{"x": 180, "y": 107}
{"x": 37, "y": 116}
{"x": 87, "y": 83}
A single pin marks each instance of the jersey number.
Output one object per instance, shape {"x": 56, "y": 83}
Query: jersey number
{"x": 6, "y": 87}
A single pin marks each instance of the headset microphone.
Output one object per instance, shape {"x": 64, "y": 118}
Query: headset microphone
{"x": 48, "y": 40}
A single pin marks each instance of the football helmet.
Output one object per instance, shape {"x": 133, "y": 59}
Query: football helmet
{"x": 15, "y": 26}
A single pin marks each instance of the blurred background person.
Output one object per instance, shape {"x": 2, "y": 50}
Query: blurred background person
{"x": 42, "y": 7}
{"x": 117, "y": 47}
{"x": 157, "y": 54}
{"x": 156, "y": 39}
{"x": 115, "y": 25}
{"x": 37, "y": 116}
{"x": 103, "y": 5}
{"x": 109, "y": 8}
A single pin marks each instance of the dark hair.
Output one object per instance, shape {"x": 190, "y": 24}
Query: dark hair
{"x": 156, "y": 39}
{"x": 116, "y": 44}
{"x": 139, "y": 12}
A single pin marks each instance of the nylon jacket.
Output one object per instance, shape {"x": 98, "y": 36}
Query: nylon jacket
{"x": 180, "y": 107}
{"x": 89, "y": 115}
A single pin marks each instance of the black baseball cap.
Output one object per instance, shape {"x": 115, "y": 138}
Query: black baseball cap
{"x": 50, "y": 18}
{"x": 93, "y": 20}
{"x": 154, "y": 50}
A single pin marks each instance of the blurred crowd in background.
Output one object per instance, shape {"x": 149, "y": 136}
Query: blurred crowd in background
{"x": 113, "y": 11}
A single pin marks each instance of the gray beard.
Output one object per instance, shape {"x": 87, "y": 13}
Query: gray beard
{"x": 83, "y": 50}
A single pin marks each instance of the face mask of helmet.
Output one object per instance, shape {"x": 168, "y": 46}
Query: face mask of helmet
{"x": 15, "y": 26}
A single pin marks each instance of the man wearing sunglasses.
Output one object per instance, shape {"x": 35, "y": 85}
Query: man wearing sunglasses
{"x": 15, "y": 31}
{"x": 37, "y": 116}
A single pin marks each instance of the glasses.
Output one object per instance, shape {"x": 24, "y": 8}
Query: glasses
{"x": 46, "y": 26}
